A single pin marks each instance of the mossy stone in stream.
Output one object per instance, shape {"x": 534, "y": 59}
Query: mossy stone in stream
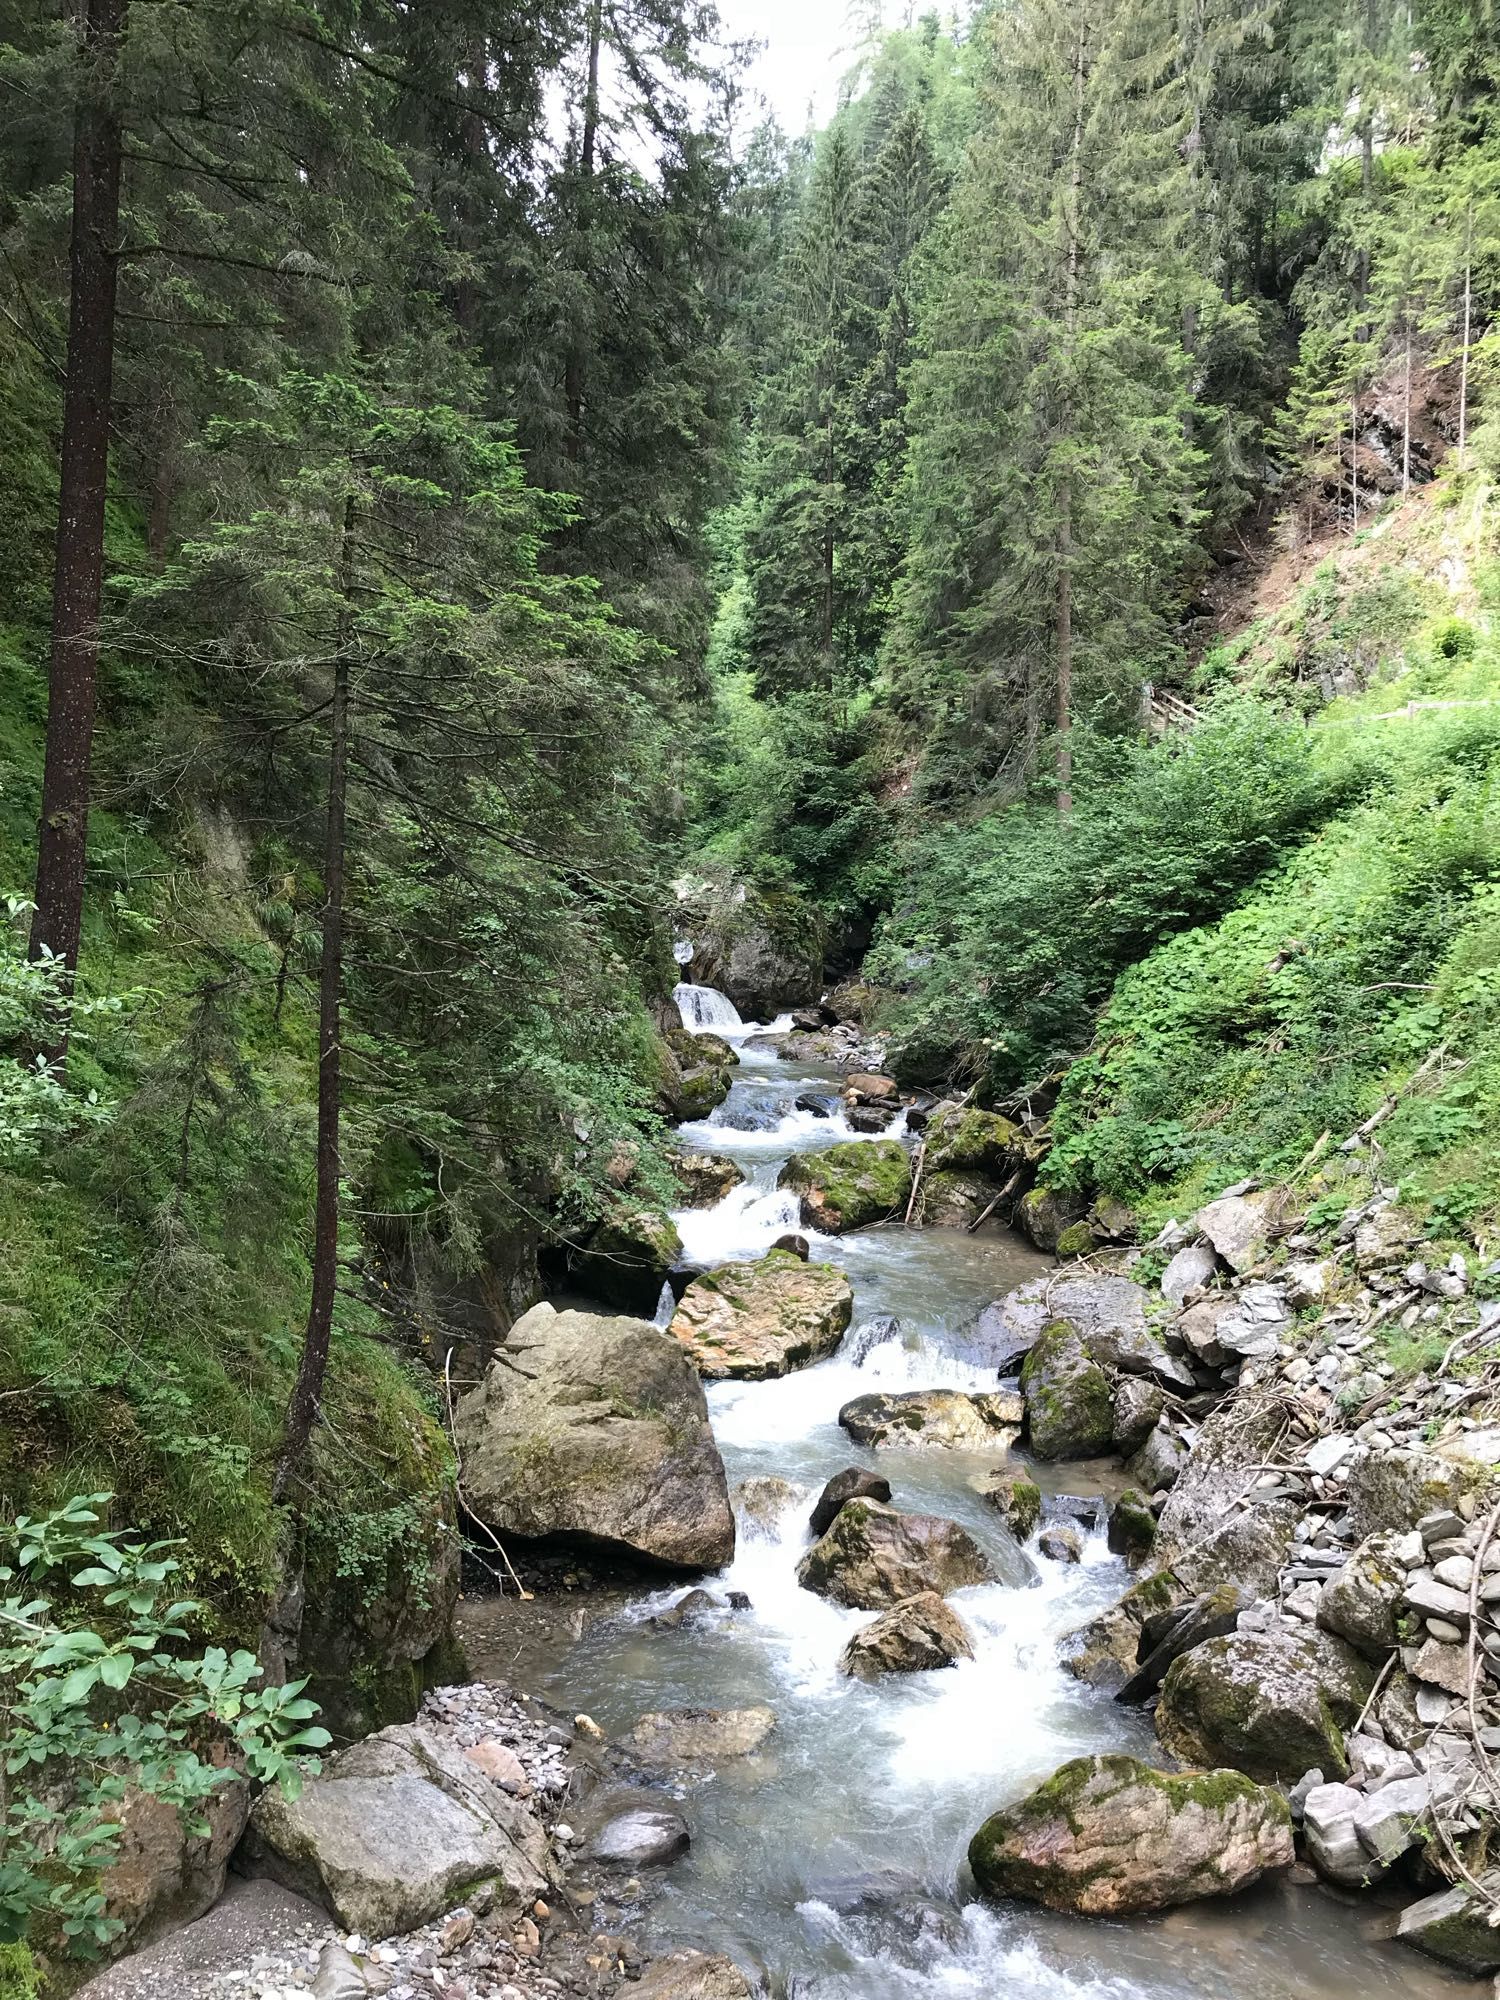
{"x": 626, "y": 1260}
{"x": 1273, "y": 1704}
{"x": 1132, "y": 1526}
{"x": 848, "y": 1186}
{"x": 1077, "y": 1240}
{"x": 1015, "y": 1495}
{"x": 973, "y": 1142}
{"x": 1069, "y": 1402}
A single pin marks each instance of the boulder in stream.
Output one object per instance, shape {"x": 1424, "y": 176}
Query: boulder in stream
{"x": 853, "y": 1483}
{"x": 1110, "y": 1836}
{"x": 848, "y": 1186}
{"x": 1273, "y": 1704}
{"x": 872, "y": 1557}
{"x": 749, "y": 1322}
{"x": 962, "y": 1140}
{"x": 916, "y": 1636}
{"x": 954, "y": 1200}
{"x": 946, "y": 1419}
{"x": 395, "y": 1830}
{"x": 1046, "y": 1213}
{"x": 627, "y": 1257}
{"x": 1015, "y": 1496}
{"x": 593, "y": 1431}
{"x": 705, "y": 1178}
{"x": 692, "y": 1975}
{"x": 1069, "y": 1402}
{"x": 761, "y": 1503}
{"x": 695, "y": 1736}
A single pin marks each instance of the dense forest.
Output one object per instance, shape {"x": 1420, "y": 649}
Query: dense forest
{"x": 477, "y": 498}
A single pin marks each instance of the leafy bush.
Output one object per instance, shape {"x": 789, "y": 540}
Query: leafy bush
{"x": 36, "y": 1004}
{"x": 100, "y": 1696}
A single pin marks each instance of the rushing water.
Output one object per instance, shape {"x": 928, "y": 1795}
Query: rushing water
{"x": 835, "y": 1858}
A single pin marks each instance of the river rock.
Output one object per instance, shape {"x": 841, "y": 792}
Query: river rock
{"x": 696, "y": 1074}
{"x": 1395, "y": 1489}
{"x": 693, "y": 1736}
{"x": 704, "y": 1178}
{"x": 692, "y": 1975}
{"x": 1045, "y": 1213}
{"x": 968, "y": 1141}
{"x": 1060, "y": 1543}
{"x": 1273, "y": 1703}
{"x": 1240, "y": 1227}
{"x": 395, "y": 1830}
{"x": 853, "y": 1483}
{"x": 1452, "y": 1926}
{"x": 753, "y": 1321}
{"x": 1132, "y": 1528}
{"x": 1360, "y": 1601}
{"x": 1110, "y": 1836}
{"x": 1108, "y": 1312}
{"x": 917, "y": 1635}
{"x": 1069, "y": 1404}
{"x": 848, "y": 1186}
{"x": 594, "y": 1431}
{"x": 1104, "y": 1653}
{"x": 1159, "y": 1463}
{"x": 1166, "y": 1635}
{"x": 1016, "y": 1497}
{"x": 1192, "y": 1267}
{"x": 1134, "y": 1412}
{"x": 943, "y": 1418}
{"x": 627, "y": 1257}
{"x": 1218, "y": 1524}
{"x": 953, "y": 1200}
{"x": 872, "y": 1557}
{"x": 640, "y": 1837}
{"x": 1333, "y": 1846}
{"x": 761, "y": 1504}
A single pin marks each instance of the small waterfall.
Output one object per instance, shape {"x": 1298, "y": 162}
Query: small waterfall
{"x": 706, "y": 1011}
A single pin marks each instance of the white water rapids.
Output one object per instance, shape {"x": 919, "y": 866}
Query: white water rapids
{"x": 835, "y": 1859}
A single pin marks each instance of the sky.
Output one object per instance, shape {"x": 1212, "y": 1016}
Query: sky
{"x": 808, "y": 46}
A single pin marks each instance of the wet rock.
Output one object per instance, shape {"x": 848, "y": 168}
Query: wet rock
{"x": 1104, "y": 1653}
{"x": 1190, "y": 1269}
{"x": 1016, "y": 1497}
{"x": 817, "y": 1104}
{"x": 692, "y": 1975}
{"x": 594, "y": 1430}
{"x": 1137, "y": 1406}
{"x": 872, "y": 1117}
{"x": 942, "y": 1419}
{"x": 1333, "y": 1846}
{"x": 641, "y": 1837}
{"x": 854, "y": 1483}
{"x": 967, "y": 1141}
{"x": 1452, "y": 1926}
{"x": 917, "y": 1635}
{"x": 395, "y": 1830}
{"x": 761, "y": 1504}
{"x": 1273, "y": 1704}
{"x": 749, "y": 1322}
{"x": 1240, "y": 1227}
{"x": 797, "y": 1245}
{"x": 1069, "y": 1404}
{"x": 953, "y": 1200}
{"x": 1219, "y": 1523}
{"x": 695, "y": 1736}
{"x": 1132, "y": 1528}
{"x": 1045, "y": 1213}
{"x": 1159, "y": 1463}
{"x": 1166, "y": 1635}
{"x": 862, "y": 1341}
{"x": 1359, "y": 1603}
{"x": 1109, "y": 1836}
{"x": 848, "y": 1186}
{"x": 698, "y": 1607}
{"x": 862, "y": 1087}
{"x": 872, "y": 1557}
{"x": 704, "y": 1178}
{"x": 1060, "y": 1544}
{"x": 627, "y": 1257}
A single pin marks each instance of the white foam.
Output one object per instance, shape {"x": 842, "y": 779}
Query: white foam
{"x": 754, "y": 1415}
{"x": 743, "y": 1225}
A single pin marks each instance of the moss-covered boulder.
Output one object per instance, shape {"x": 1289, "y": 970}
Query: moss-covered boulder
{"x": 966, "y": 1141}
{"x": 872, "y": 1557}
{"x": 848, "y": 1186}
{"x": 1453, "y": 1926}
{"x": 1273, "y": 1704}
{"x": 1046, "y": 1212}
{"x": 1109, "y": 1836}
{"x": 935, "y": 1419}
{"x": 752, "y": 1321}
{"x": 1069, "y": 1401}
{"x": 917, "y": 1636}
{"x": 1132, "y": 1527}
{"x": 953, "y": 1200}
{"x": 627, "y": 1256}
{"x": 1361, "y": 1601}
{"x": 1103, "y": 1653}
{"x": 704, "y": 1178}
{"x": 1206, "y": 1531}
{"x": 695, "y": 1074}
{"x": 1016, "y": 1498}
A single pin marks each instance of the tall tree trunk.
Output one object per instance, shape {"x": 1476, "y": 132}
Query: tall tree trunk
{"x": 1463, "y": 373}
{"x": 307, "y": 1392}
{"x": 573, "y": 382}
{"x": 1406, "y": 417}
{"x": 78, "y": 582}
{"x": 1063, "y": 642}
{"x": 1353, "y": 466}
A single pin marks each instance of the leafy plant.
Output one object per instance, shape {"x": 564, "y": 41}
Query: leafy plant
{"x": 102, "y": 1696}
{"x": 36, "y": 1006}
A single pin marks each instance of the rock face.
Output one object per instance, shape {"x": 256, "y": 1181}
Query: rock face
{"x": 940, "y": 1418}
{"x": 753, "y": 1321}
{"x": 594, "y": 1431}
{"x": 854, "y": 1483}
{"x": 848, "y": 1186}
{"x": 626, "y": 1259}
{"x": 1273, "y": 1704}
{"x": 1069, "y": 1403}
{"x": 677, "y": 1736}
{"x": 1108, "y": 1836}
{"x": 915, "y": 1636}
{"x": 394, "y": 1832}
{"x": 872, "y": 1557}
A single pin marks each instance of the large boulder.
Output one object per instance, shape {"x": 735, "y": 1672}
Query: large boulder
{"x": 953, "y": 1200}
{"x": 1109, "y": 1836}
{"x": 695, "y": 1075}
{"x": 1046, "y": 1213}
{"x": 1167, "y": 1635}
{"x": 915, "y": 1636}
{"x": 691, "y": 1736}
{"x": 692, "y": 1975}
{"x": 1453, "y": 1926}
{"x": 1015, "y": 1496}
{"x": 1273, "y": 1703}
{"x": 853, "y": 1483}
{"x": 1394, "y": 1489}
{"x": 704, "y": 1178}
{"x": 1240, "y": 1227}
{"x": 627, "y": 1257}
{"x": 966, "y": 1141}
{"x": 1105, "y": 1652}
{"x": 394, "y": 1832}
{"x": 161, "y": 1874}
{"x": 1360, "y": 1602}
{"x": 872, "y": 1557}
{"x": 753, "y": 1321}
{"x": 943, "y": 1418}
{"x": 1069, "y": 1402}
{"x": 1226, "y": 1518}
{"x": 1107, "y": 1311}
{"x": 867, "y": 1180}
{"x": 594, "y": 1431}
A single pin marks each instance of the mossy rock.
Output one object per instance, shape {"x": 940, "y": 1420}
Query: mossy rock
{"x": 1077, "y": 1240}
{"x": 1273, "y": 1704}
{"x": 953, "y": 1200}
{"x": 1132, "y": 1527}
{"x": 1046, "y": 1212}
{"x": 626, "y": 1260}
{"x": 1110, "y": 1836}
{"x": 967, "y": 1141}
{"x": 755, "y": 1320}
{"x": 1069, "y": 1401}
{"x": 1103, "y": 1653}
{"x": 1016, "y": 1497}
{"x": 848, "y": 1186}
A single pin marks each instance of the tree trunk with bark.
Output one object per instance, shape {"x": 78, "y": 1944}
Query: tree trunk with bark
{"x": 78, "y": 583}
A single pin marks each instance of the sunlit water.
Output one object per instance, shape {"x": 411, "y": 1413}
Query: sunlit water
{"x": 835, "y": 1858}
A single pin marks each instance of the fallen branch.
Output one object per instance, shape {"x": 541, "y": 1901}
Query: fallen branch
{"x": 985, "y": 1214}
{"x": 1377, "y": 1118}
{"x": 919, "y": 1160}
